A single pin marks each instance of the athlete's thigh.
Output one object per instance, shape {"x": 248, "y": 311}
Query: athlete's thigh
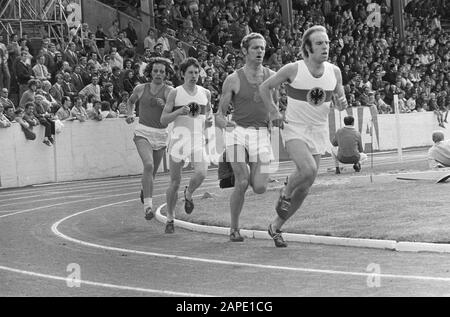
{"x": 157, "y": 157}
{"x": 236, "y": 157}
{"x": 144, "y": 149}
{"x": 175, "y": 169}
{"x": 258, "y": 178}
{"x": 301, "y": 154}
{"x": 200, "y": 167}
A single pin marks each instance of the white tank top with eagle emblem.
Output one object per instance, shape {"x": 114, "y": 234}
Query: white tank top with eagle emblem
{"x": 309, "y": 98}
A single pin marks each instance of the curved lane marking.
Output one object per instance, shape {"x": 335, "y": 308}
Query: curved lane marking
{"x": 105, "y": 285}
{"x": 229, "y": 263}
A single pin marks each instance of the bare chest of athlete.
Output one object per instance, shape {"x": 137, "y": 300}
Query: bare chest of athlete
{"x": 155, "y": 89}
{"x": 316, "y": 71}
{"x": 254, "y": 77}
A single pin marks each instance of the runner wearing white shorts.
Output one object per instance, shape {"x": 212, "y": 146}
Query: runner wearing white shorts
{"x": 247, "y": 136}
{"x": 150, "y": 136}
{"x": 189, "y": 108}
{"x": 312, "y": 83}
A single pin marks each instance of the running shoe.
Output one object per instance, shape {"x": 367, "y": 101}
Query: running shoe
{"x": 149, "y": 214}
{"x": 235, "y": 236}
{"x": 142, "y": 196}
{"x": 283, "y": 205}
{"x": 277, "y": 237}
{"x": 170, "y": 227}
{"x": 188, "y": 204}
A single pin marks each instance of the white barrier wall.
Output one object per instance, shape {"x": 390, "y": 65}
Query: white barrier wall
{"x": 83, "y": 150}
{"x": 89, "y": 150}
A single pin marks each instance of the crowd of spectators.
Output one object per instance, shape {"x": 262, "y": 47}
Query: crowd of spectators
{"x": 92, "y": 76}
{"x": 376, "y": 62}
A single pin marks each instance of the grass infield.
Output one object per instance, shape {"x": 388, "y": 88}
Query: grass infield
{"x": 398, "y": 210}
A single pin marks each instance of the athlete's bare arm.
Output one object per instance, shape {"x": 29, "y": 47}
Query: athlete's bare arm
{"x": 266, "y": 90}
{"x": 168, "y": 115}
{"x": 209, "y": 116}
{"x": 229, "y": 87}
{"x": 131, "y": 103}
{"x": 340, "y": 100}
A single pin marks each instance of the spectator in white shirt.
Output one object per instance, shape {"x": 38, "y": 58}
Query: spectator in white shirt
{"x": 40, "y": 70}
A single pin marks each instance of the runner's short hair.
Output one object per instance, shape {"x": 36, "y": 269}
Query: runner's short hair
{"x": 306, "y": 40}
{"x": 190, "y": 61}
{"x": 245, "y": 43}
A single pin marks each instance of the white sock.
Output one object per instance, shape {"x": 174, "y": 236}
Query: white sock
{"x": 188, "y": 194}
{"x": 148, "y": 202}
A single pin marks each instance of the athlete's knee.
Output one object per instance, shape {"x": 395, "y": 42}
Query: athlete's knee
{"x": 241, "y": 184}
{"x": 259, "y": 188}
{"x": 175, "y": 184}
{"x": 148, "y": 166}
{"x": 200, "y": 175}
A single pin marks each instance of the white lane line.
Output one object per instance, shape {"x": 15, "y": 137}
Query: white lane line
{"x": 105, "y": 285}
{"x": 230, "y": 263}
{"x": 66, "y": 203}
{"x": 205, "y": 185}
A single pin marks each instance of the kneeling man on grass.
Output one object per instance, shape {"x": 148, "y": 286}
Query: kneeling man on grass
{"x": 349, "y": 146}
{"x": 439, "y": 153}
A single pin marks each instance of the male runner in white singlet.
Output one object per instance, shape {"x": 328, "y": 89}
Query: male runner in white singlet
{"x": 312, "y": 83}
{"x": 189, "y": 108}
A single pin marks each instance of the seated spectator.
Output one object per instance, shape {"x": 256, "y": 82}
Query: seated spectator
{"x": 162, "y": 39}
{"x": 433, "y": 106}
{"x": 63, "y": 112}
{"x": 4, "y": 121}
{"x": 349, "y": 146}
{"x": 77, "y": 79}
{"x": 123, "y": 106}
{"x": 28, "y": 95}
{"x": 94, "y": 61}
{"x": 90, "y": 99}
{"x": 19, "y": 118}
{"x": 9, "y": 113}
{"x": 128, "y": 82}
{"x": 108, "y": 94}
{"x": 57, "y": 90}
{"x": 439, "y": 153}
{"x": 157, "y": 50}
{"x": 383, "y": 107}
{"x": 150, "y": 40}
{"x": 93, "y": 88}
{"x": 29, "y": 116}
{"x": 411, "y": 102}
{"x": 4, "y": 100}
{"x": 403, "y": 108}
{"x": 78, "y": 111}
{"x": 106, "y": 110}
{"x": 45, "y": 118}
{"x": 67, "y": 86}
{"x": 40, "y": 70}
{"x": 95, "y": 112}
{"x": 131, "y": 34}
{"x": 116, "y": 58}
{"x": 70, "y": 55}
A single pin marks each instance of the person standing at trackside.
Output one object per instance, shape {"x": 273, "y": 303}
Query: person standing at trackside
{"x": 248, "y": 131}
{"x": 312, "y": 82}
{"x": 188, "y": 106}
{"x": 150, "y": 135}
{"x": 349, "y": 146}
{"x": 439, "y": 153}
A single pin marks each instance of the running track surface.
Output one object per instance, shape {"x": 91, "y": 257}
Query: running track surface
{"x": 49, "y": 234}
